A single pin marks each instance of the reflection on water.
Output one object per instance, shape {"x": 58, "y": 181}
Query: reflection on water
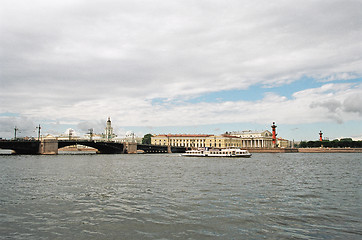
{"x": 6, "y": 151}
{"x": 77, "y": 152}
{"x": 272, "y": 196}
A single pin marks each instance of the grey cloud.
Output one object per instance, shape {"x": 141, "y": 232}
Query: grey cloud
{"x": 97, "y": 126}
{"x": 64, "y": 54}
{"x": 338, "y": 110}
{"x": 25, "y": 126}
{"x": 353, "y": 103}
{"x": 335, "y": 117}
{"x": 332, "y": 105}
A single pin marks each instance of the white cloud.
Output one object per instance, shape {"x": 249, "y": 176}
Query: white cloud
{"x": 331, "y": 101}
{"x": 81, "y": 60}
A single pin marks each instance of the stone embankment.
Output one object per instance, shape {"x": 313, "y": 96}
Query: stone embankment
{"x": 305, "y": 150}
{"x": 272, "y": 150}
{"x": 330, "y": 150}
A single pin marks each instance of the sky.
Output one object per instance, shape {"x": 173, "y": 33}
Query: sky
{"x": 181, "y": 66}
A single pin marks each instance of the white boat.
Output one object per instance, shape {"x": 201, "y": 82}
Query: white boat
{"x": 228, "y": 152}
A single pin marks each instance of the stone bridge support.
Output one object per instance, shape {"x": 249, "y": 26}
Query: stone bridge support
{"x": 48, "y": 146}
{"x": 130, "y": 148}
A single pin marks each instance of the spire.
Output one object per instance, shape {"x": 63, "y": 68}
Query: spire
{"x": 109, "y": 130}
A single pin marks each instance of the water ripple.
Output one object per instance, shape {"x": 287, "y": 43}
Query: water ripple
{"x": 271, "y": 196}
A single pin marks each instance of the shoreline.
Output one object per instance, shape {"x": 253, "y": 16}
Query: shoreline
{"x": 304, "y": 150}
{"x": 330, "y": 150}
{"x": 74, "y": 151}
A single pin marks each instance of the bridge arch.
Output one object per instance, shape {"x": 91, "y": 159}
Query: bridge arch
{"x": 102, "y": 147}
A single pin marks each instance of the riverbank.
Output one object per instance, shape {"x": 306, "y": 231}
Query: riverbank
{"x": 330, "y": 150}
{"x": 305, "y": 150}
{"x": 251, "y": 150}
{"x": 272, "y": 150}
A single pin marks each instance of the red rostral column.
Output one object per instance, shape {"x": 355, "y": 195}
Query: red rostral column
{"x": 274, "y": 134}
{"x": 320, "y": 136}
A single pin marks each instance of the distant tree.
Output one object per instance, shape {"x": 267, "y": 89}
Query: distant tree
{"x": 310, "y": 144}
{"x": 343, "y": 143}
{"x": 303, "y": 144}
{"x": 324, "y": 143}
{"x": 147, "y": 139}
{"x": 334, "y": 143}
{"x": 346, "y": 140}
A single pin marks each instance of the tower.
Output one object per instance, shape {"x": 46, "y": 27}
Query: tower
{"x": 320, "y": 136}
{"x": 109, "y": 130}
{"x": 274, "y": 134}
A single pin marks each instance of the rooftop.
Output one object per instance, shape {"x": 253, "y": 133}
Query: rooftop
{"x": 184, "y": 135}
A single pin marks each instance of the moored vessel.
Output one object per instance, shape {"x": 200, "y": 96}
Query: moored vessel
{"x": 228, "y": 152}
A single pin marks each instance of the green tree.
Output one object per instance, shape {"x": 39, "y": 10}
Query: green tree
{"x": 343, "y": 143}
{"x": 346, "y": 140}
{"x": 303, "y": 144}
{"x": 147, "y": 139}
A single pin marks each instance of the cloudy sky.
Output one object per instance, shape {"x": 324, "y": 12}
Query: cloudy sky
{"x": 182, "y": 66}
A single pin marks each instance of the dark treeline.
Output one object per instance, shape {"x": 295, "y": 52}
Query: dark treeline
{"x": 343, "y": 143}
{"x": 147, "y": 139}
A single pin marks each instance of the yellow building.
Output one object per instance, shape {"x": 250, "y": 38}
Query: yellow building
{"x": 283, "y": 143}
{"x": 204, "y": 140}
{"x": 182, "y": 140}
{"x": 243, "y": 139}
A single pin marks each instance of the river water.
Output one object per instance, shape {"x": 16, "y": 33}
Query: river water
{"x": 166, "y": 196}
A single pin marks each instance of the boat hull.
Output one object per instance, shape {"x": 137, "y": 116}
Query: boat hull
{"x": 219, "y": 155}
{"x": 224, "y": 153}
{"x": 233, "y": 156}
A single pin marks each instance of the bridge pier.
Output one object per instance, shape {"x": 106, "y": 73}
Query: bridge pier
{"x": 130, "y": 148}
{"x": 48, "y": 146}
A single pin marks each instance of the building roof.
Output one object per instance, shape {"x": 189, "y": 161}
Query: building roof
{"x": 184, "y": 135}
{"x": 229, "y": 136}
{"x": 249, "y": 132}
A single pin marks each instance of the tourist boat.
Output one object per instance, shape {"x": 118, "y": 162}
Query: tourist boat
{"x": 228, "y": 152}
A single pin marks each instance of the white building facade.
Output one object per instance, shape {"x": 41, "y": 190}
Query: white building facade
{"x": 244, "y": 139}
{"x": 255, "y": 139}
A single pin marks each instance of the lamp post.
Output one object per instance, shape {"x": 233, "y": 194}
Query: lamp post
{"x": 38, "y": 132}
{"x": 70, "y": 134}
{"x": 91, "y": 134}
{"x": 15, "y": 130}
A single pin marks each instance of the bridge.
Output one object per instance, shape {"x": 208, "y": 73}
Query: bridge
{"x": 21, "y": 147}
{"x": 148, "y": 148}
{"x": 51, "y": 146}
